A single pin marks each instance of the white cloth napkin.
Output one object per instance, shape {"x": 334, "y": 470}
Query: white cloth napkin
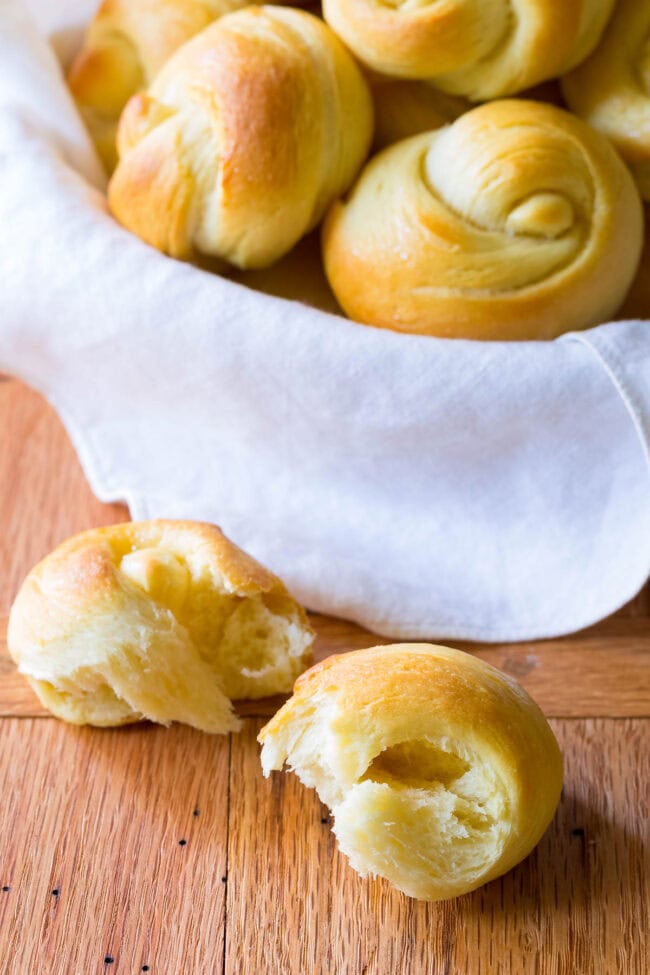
{"x": 425, "y": 488}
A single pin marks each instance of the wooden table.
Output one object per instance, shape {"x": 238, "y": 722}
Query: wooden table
{"x": 146, "y": 849}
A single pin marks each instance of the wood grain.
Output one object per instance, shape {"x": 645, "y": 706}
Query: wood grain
{"x": 99, "y": 820}
{"x": 44, "y": 495}
{"x": 590, "y": 675}
{"x": 97, "y": 815}
{"x": 576, "y": 906}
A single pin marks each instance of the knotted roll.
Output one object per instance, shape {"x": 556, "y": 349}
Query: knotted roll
{"x": 165, "y": 620}
{"x": 518, "y": 221}
{"x": 612, "y": 88}
{"x": 441, "y": 772}
{"x": 478, "y": 48}
{"x": 244, "y": 138}
{"x": 126, "y": 45}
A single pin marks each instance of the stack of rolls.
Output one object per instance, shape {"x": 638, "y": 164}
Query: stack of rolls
{"x": 491, "y": 211}
{"x": 488, "y": 212}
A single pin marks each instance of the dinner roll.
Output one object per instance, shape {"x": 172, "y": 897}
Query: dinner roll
{"x": 405, "y": 108}
{"x": 244, "y": 138}
{"x": 165, "y": 620}
{"x": 612, "y": 89}
{"x": 478, "y": 48}
{"x": 441, "y": 772}
{"x": 518, "y": 221}
{"x": 126, "y": 45}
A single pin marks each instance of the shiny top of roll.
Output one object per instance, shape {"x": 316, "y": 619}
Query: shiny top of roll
{"x": 441, "y": 771}
{"x": 243, "y": 139}
{"x": 478, "y": 48}
{"x": 518, "y": 221}
{"x": 165, "y": 620}
{"x": 126, "y": 44}
{"x": 612, "y": 88}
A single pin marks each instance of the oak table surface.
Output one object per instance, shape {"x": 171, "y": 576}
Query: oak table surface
{"x": 165, "y": 850}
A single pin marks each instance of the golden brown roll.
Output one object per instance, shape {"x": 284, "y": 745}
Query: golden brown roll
{"x": 405, "y": 108}
{"x": 441, "y": 772}
{"x": 478, "y": 48}
{"x": 244, "y": 138}
{"x": 518, "y": 221}
{"x": 126, "y": 45}
{"x": 612, "y": 88}
{"x": 165, "y": 620}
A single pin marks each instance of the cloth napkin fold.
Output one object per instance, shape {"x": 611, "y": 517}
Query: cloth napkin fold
{"x": 425, "y": 488}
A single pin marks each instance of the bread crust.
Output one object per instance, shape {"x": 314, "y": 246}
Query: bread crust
{"x": 518, "y": 221}
{"x": 243, "y": 139}
{"x": 125, "y": 46}
{"x": 481, "y": 49}
{"x": 440, "y": 770}
{"x": 611, "y": 89}
{"x": 141, "y": 620}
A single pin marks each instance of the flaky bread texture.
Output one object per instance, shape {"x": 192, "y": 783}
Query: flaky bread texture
{"x": 441, "y": 772}
{"x": 125, "y": 46}
{"x": 244, "y": 138}
{"x": 518, "y": 221}
{"x": 478, "y": 48}
{"x": 611, "y": 90}
{"x": 165, "y": 620}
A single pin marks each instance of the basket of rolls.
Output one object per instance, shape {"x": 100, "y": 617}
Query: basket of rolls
{"x": 366, "y": 285}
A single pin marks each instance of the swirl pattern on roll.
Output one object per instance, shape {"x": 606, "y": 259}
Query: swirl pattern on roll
{"x": 478, "y": 48}
{"x": 611, "y": 90}
{"x": 243, "y": 140}
{"x": 516, "y": 222}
